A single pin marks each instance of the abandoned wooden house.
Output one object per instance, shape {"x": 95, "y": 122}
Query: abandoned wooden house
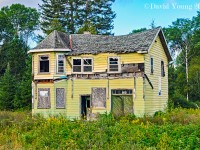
{"x": 82, "y": 74}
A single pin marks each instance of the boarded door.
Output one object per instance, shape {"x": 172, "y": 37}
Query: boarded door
{"x": 122, "y": 105}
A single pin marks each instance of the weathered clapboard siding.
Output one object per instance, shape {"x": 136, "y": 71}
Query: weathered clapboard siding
{"x": 52, "y": 65}
{"x": 100, "y": 61}
{"x": 53, "y": 110}
{"x": 139, "y": 107}
{"x": 154, "y": 102}
{"x": 78, "y": 87}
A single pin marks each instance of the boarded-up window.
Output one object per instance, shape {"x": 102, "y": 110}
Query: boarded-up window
{"x": 44, "y": 98}
{"x": 60, "y": 98}
{"x": 99, "y": 97}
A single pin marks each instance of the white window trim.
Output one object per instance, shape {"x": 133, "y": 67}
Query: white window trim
{"x": 82, "y": 65}
{"x": 38, "y": 56}
{"x": 119, "y": 65}
{"x": 57, "y": 65}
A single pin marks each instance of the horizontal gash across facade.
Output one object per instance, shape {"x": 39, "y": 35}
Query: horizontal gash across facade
{"x": 81, "y": 75}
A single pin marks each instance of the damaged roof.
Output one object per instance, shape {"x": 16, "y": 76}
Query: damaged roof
{"x": 78, "y": 44}
{"x": 86, "y": 44}
{"x": 55, "y": 40}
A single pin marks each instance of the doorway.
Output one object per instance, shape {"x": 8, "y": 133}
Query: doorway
{"x": 85, "y": 105}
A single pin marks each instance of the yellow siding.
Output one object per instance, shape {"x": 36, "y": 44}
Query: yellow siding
{"x": 52, "y": 66}
{"x": 154, "y": 102}
{"x": 139, "y": 107}
{"x": 78, "y": 87}
{"x": 101, "y": 60}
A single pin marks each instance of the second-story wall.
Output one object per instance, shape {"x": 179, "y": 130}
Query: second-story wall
{"x": 100, "y": 61}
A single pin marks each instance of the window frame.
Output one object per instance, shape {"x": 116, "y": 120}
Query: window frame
{"x": 63, "y": 100}
{"x": 49, "y": 97}
{"x": 57, "y": 62}
{"x": 82, "y": 65}
{"x": 119, "y": 65}
{"x": 39, "y": 60}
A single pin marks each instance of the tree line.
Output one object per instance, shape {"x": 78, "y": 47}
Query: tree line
{"x": 19, "y": 23}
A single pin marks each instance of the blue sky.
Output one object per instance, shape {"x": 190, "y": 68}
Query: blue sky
{"x": 134, "y": 14}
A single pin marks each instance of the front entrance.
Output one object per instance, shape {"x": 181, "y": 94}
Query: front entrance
{"x": 85, "y": 105}
{"x": 122, "y": 102}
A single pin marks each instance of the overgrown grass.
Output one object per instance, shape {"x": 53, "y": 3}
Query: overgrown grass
{"x": 178, "y": 129}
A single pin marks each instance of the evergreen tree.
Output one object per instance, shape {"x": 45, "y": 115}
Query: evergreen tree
{"x": 75, "y": 15}
{"x": 23, "y": 95}
{"x": 100, "y": 14}
{"x": 53, "y": 11}
{"x": 15, "y": 53}
{"x": 7, "y": 90}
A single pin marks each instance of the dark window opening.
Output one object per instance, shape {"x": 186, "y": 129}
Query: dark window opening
{"x": 152, "y": 66}
{"x": 162, "y": 69}
{"x": 44, "y": 64}
{"x": 76, "y": 65}
{"x": 87, "y": 65}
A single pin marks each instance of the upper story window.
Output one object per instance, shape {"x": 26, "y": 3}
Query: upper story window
{"x": 151, "y": 64}
{"x": 113, "y": 64}
{"x": 162, "y": 69}
{"x": 82, "y": 65}
{"x": 87, "y": 65}
{"x": 60, "y": 63}
{"x": 43, "y": 64}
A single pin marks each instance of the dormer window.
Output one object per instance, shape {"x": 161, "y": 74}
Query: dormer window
{"x": 113, "y": 64}
{"x": 43, "y": 64}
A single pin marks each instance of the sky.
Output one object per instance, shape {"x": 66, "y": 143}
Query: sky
{"x": 135, "y": 14}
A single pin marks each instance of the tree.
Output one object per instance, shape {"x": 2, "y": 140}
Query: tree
{"x": 179, "y": 35}
{"x": 23, "y": 91}
{"x": 138, "y": 30}
{"x": 53, "y": 11}
{"x": 75, "y": 15}
{"x": 7, "y": 90}
{"x": 14, "y": 53}
{"x": 18, "y": 20}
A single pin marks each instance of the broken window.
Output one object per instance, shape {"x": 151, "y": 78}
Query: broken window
{"x": 113, "y": 64}
{"x": 162, "y": 69}
{"x": 151, "y": 63}
{"x": 99, "y": 97}
{"x": 44, "y": 63}
{"x": 82, "y": 65}
{"x": 60, "y": 98}
{"x": 87, "y": 65}
{"x": 60, "y": 63}
{"x": 44, "y": 98}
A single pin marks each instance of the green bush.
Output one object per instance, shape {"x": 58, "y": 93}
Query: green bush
{"x": 178, "y": 129}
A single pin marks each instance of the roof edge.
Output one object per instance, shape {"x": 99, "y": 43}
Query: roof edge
{"x": 48, "y": 50}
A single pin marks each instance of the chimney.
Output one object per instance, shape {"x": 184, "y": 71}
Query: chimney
{"x": 86, "y": 32}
